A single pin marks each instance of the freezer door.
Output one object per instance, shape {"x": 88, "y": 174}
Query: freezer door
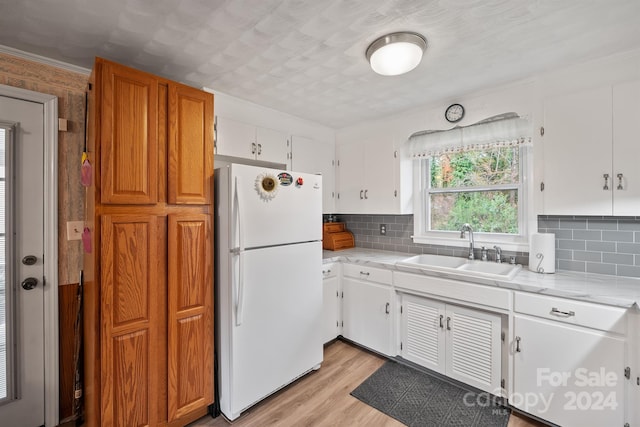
{"x": 279, "y": 336}
{"x": 291, "y": 212}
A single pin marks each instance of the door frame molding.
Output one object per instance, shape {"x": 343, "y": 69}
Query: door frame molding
{"x": 51, "y": 364}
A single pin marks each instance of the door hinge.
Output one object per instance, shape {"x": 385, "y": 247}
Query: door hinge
{"x": 542, "y": 186}
{"x": 541, "y": 130}
{"x": 502, "y": 337}
{"x": 502, "y": 383}
{"x": 627, "y": 372}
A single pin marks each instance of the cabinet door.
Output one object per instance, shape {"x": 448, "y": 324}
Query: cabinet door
{"x": 316, "y": 157}
{"x": 568, "y": 375}
{"x": 423, "y": 333}
{"x": 272, "y": 145}
{"x": 190, "y": 314}
{"x": 132, "y": 330}
{"x": 577, "y": 154}
{"x": 473, "y": 348}
{"x": 190, "y": 146}
{"x": 350, "y": 179}
{"x": 379, "y": 180}
{"x": 128, "y": 134}
{"x": 626, "y": 149}
{"x": 330, "y": 308}
{"x": 234, "y": 138}
{"x": 366, "y": 311}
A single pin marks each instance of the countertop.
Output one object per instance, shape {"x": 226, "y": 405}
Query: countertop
{"x": 602, "y": 289}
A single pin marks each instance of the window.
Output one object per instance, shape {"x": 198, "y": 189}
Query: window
{"x": 476, "y": 187}
{"x": 458, "y": 180}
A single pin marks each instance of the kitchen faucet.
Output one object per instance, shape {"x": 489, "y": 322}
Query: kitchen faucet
{"x": 467, "y": 227}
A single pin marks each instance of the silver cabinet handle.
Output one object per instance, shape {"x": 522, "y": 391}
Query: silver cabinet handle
{"x": 518, "y": 345}
{"x": 259, "y": 149}
{"x": 365, "y": 273}
{"x": 562, "y": 313}
{"x": 620, "y": 176}
{"x": 441, "y": 321}
{"x": 386, "y": 308}
{"x": 365, "y": 194}
{"x": 606, "y": 181}
{"x": 448, "y": 323}
{"x": 361, "y": 191}
{"x": 253, "y": 148}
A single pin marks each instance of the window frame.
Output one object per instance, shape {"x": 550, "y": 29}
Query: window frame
{"x": 422, "y": 213}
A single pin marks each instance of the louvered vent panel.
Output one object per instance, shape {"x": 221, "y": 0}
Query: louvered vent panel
{"x": 422, "y": 334}
{"x": 472, "y": 353}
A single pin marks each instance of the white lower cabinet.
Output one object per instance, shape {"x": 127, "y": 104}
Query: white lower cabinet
{"x": 567, "y": 369}
{"x": 367, "y": 307}
{"x": 462, "y": 343}
{"x": 331, "y": 302}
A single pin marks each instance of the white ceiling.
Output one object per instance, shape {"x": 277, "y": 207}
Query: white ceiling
{"x": 307, "y": 57}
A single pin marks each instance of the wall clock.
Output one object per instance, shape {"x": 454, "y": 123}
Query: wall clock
{"x": 454, "y": 113}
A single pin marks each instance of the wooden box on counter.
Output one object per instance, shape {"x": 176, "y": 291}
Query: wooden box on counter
{"x": 335, "y": 236}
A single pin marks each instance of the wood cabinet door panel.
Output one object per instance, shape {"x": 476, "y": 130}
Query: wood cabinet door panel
{"x": 190, "y": 145}
{"x": 130, "y": 328}
{"x": 129, "y": 136}
{"x": 190, "y": 313}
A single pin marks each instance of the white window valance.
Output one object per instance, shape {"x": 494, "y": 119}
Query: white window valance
{"x": 503, "y": 130}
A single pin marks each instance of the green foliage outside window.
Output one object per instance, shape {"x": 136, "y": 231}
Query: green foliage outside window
{"x": 472, "y": 174}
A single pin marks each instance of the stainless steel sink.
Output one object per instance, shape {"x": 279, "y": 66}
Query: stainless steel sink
{"x": 461, "y": 266}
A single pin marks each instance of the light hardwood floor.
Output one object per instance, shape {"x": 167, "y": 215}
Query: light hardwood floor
{"x": 322, "y": 398}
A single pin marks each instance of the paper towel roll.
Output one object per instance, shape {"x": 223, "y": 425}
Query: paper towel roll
{"x": 542, "y": 253}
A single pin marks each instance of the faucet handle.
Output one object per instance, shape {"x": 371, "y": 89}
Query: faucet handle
{"x": 498, "y": 253}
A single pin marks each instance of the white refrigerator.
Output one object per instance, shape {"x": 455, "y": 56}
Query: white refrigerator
{"x": 268, "y": 282}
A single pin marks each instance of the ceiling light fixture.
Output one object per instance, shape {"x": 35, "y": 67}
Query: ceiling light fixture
{"x": 396, "y": 53}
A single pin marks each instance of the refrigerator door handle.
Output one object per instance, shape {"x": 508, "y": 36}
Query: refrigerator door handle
{"x": 238, "y": 280}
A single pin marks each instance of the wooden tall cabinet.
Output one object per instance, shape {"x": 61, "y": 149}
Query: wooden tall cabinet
{"x": 148, "y": 280}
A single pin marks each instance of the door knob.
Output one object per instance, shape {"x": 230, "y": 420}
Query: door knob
{"x": 29, "y": 283}
{"x": 29, "y": 260}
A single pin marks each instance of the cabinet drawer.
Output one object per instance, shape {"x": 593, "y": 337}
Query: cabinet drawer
{"x": 596, "y": 316}
{"x": 369, "y": 274}
{"x": 329, "y": 270}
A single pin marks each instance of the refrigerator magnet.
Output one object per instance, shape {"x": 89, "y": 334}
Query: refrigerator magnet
{"x": 266, "y": 186}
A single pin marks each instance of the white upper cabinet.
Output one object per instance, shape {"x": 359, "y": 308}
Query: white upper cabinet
{"x": 626, "y": 149}
{"x": 577, "y": 153}
{"x": 238, "y": 139}
{"x": 368, "y": 178}
{"x": 590, "y": 147}
{"x": 308, "y": 155}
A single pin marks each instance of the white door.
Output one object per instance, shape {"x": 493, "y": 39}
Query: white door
{"x": 316, "y": 157}
{"x": 423, "y": 332}
{"x": 22, "y": 375}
